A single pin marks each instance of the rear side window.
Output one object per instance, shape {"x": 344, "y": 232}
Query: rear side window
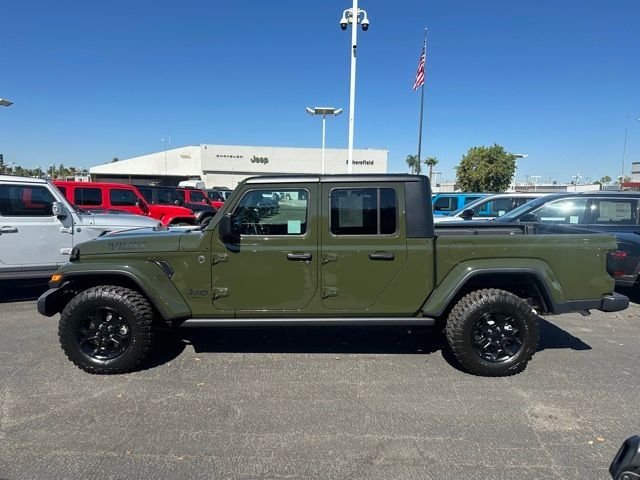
{"x": 122, "y": 197}
{"x": 468, "y": 200}
{"x": 25, "y": 201}
{"x": 614, "y": 211}
{"x": 445, "y": 204}
{"x": 63, "y": 190}
{"x": 86, "y": 196}
{"x": 363, "y": 211}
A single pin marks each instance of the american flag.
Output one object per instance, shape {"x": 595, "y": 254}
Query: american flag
{"x": 420, "y": 73}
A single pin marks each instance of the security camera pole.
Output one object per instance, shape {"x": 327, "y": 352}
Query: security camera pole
{"x": 352, "y": 16}
{"x": 324, "y": 111}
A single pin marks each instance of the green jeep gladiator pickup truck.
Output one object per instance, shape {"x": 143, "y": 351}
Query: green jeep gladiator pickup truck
{"x": 335, "y": 249}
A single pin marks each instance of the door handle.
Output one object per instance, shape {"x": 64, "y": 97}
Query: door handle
{"x": 8, "y": 229}
{"x": 299, "y": 257}
{"x": 381, "y": 256}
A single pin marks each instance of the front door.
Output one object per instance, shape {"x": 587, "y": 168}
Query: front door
{"x": 275, "y": 266}
{"x": 363, "y": 243}
{"x": 30, "y": 235}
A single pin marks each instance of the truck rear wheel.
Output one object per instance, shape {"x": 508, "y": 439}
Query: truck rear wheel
{"x": 106, "y": 329}
{"x": 492, "y": 333}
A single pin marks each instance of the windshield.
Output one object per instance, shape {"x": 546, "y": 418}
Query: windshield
{"x": 516, "y": 212}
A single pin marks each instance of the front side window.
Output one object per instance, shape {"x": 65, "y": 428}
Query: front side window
{"x": 25, "y": 201}
{"x": 494, "y": 208}
{"x": 363, "y": 211}
{"x": 269, "y": 212}
{"x": 122, "y": 197}
{"x": 445, "y": 204}
{"x": 198, "y": 197}
{"x": 168, "y": 196}
{"x": 147, "y": 193}
{"x": 86, "y": 196}
{"x": 568, "y": 210}
{"x": 614, "y": 211}
{"x": 215, "y": 196}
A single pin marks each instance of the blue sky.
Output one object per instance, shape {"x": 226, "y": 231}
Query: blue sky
{"x": 94, "y": 80}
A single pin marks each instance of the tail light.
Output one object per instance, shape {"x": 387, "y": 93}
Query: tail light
{"x": 616, "y": 262}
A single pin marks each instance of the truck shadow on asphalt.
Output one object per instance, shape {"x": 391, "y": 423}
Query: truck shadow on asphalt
{"x": 328, "y": 340}
{"x": 22, "y": 290}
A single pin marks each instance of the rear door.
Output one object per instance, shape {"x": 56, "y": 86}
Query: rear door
{"x": 30, "y": 235}
{"x": 275, "y": 267}
{"x": 363, "y": 243}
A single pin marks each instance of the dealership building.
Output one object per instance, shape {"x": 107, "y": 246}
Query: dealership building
{"x": 227, "y": 165}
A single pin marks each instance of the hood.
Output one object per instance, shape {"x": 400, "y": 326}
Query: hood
{"x": 118, "y": 220}
{"x": 142, "y": 240}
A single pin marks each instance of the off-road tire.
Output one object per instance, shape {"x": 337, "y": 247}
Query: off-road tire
{"x": 469, "y": 310}
{"x": 127, "y": 303}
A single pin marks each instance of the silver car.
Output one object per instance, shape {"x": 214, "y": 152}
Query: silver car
{"x": 39, "y": 227}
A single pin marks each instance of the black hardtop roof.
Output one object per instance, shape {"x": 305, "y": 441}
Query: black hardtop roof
{"x": 344, "y": 178}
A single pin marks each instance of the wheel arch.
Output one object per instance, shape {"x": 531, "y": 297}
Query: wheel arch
{"x": 526, "y": 282}
{"x": 159, "y": 290}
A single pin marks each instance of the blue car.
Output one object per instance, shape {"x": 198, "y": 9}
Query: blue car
{"x": 446, "y": 203}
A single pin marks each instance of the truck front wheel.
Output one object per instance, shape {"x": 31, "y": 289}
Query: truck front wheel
{"x": 106, "y": 329}
{"x": 492, "y": 333}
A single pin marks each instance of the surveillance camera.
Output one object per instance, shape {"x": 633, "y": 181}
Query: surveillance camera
{"x": 365, "y": 25}
{"x": 344, "y": 22}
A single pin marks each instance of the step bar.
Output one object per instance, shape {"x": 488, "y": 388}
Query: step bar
{"x": 323, "y": 321}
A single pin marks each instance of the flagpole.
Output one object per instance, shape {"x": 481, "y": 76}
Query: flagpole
{"x": 422, "y": 104}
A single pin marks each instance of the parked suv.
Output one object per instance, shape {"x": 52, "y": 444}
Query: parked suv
{"x": 199, "y": 202}
{"x": 39, "y": 227}
{"x": 447, "y": 203}
{"x": 218, "y": 196}
{"x": 490, "y": 207}
{"x": 616, "y": 213}
{"x": 171, "y": 196}
{"x": 117, "y": 197}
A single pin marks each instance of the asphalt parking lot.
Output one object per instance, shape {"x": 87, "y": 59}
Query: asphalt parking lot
{"x": 316, "y": 403}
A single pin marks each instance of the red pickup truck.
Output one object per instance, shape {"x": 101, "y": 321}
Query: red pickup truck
{"x": 124, "y": 198}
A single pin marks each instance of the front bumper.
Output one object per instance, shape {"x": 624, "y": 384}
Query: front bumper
{"x": 51, "y": 301}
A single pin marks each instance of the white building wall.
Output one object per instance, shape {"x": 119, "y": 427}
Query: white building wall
{"x": 227, "y": 165}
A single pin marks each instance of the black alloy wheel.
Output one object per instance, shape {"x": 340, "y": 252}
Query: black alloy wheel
{"x": 104, "y": 334}
{"x": 497, "y": 337}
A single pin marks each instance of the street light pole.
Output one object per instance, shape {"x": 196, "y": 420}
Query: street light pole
{"x": 5, "y": 103}
{"x": 352, "y": 16}
{"x": 324, "y": 111}
{"x": 517, "y": 155}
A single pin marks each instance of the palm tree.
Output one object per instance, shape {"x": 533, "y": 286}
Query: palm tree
{"x": 413, "y": 163}
{"x": 431, "y": 162}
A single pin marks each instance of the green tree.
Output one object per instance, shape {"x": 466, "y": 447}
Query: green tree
{"x": 486, "y": 169}
{"x": 413, "y": 163}
{"x": 431, "y": 162}
{"x": 605, "y": 180}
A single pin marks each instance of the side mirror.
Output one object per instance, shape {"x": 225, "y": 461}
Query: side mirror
{"x": 529, "y": 218}
{"x": 467, "y": 214}
{"x": 227, "y": 231}
{"x": 57, "y": 208}
{"x": 142, "y": 206}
